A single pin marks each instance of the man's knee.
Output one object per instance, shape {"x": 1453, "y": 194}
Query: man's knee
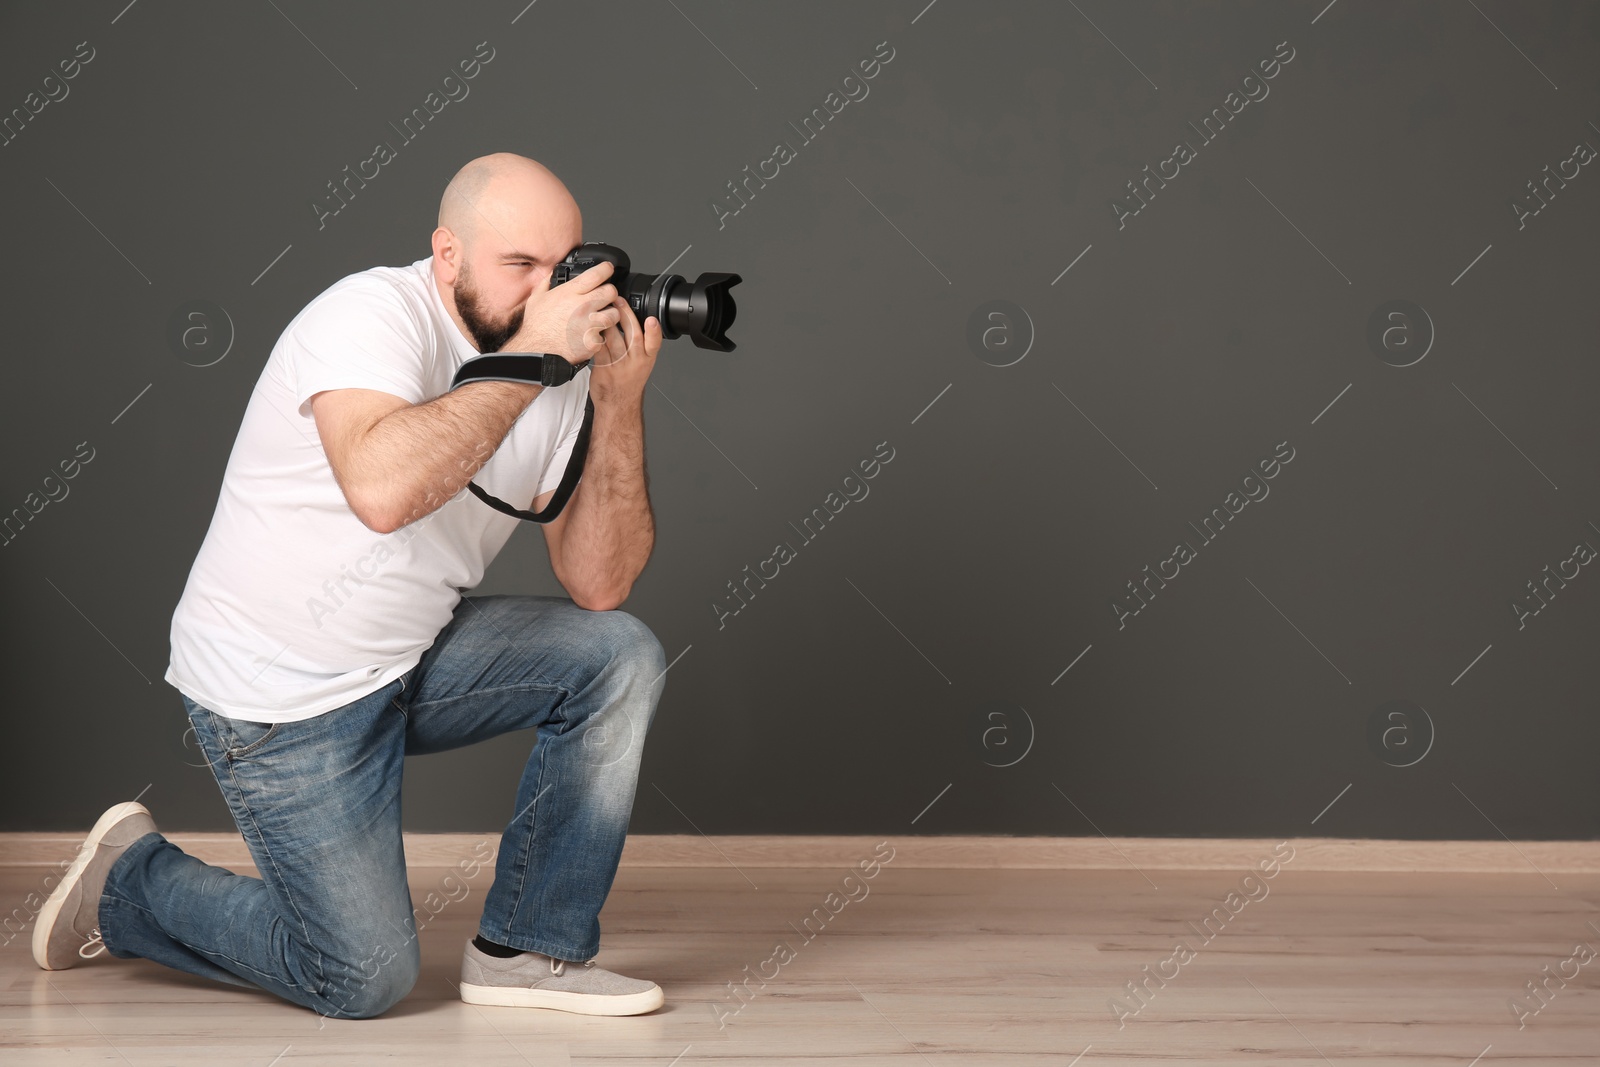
{"x": 373, "y": 985}
{"x": 631, "y": 641}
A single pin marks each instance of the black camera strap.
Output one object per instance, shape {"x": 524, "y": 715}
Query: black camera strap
{"x": 548, "y": 371}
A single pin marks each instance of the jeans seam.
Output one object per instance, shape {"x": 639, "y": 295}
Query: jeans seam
{"x": 269, "y": 978}
{"x": 518, "y": 688}
{"x": 283, "y": 883}
{"x": 565, "y": 726}
{"x": 544, "y": 889}
{"x": 527, "y": 841}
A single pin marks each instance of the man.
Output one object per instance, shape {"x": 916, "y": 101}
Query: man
{"x": 322, "y": 634}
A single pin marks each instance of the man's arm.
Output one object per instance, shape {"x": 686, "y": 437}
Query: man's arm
{"x": 397, "y": 461}
{"x": 603, "y": 538}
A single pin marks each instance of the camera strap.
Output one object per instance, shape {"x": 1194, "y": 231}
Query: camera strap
{"x": 536, "y": 369}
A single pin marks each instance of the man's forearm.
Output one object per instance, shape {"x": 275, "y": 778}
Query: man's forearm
{"x": 610, "y": 530}
{"x": 415, "y": 459}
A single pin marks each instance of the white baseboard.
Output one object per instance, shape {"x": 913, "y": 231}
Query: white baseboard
{"x": 933, "y": 851}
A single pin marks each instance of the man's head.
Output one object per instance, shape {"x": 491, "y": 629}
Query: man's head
{"x": 505, "y": 221}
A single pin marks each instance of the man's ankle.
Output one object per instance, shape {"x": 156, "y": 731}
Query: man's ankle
{"x": 491, "y": 948}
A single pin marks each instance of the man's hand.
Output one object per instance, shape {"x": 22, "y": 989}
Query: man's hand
{"x": 619, "y": 376}
{"x": 567, "y": 320}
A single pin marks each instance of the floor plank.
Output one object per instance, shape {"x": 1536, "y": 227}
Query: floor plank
{"x": 1015, "y": 967}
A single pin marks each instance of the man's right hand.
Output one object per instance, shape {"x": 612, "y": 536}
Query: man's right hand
{"x": 568, "y": 320}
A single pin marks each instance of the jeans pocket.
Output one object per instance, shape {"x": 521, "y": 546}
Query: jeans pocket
{"x": 245, "y": 737}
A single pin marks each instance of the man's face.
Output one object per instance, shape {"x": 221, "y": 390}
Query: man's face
{"x": 490, "y": 327}
{"x": 498, "y": 274}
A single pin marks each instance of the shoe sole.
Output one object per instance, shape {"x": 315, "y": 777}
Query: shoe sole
{"x": 563, "y": 1000}
{"x": 52, "y": 906}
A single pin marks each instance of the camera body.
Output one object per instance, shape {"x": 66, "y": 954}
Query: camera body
{"x": 703, "y": 309}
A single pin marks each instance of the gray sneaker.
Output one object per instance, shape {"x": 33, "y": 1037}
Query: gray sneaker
{"x": 534, "y": 980}
{"x": 68, "y": 926}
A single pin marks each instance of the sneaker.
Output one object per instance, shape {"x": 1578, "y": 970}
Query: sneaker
{"x": 534, "y": 980}
{"x": 68, "y": 927}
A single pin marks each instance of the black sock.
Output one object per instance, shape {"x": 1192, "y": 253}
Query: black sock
{"x": 489, "y": 948}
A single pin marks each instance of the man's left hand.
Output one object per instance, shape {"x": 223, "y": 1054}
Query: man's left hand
{"x": 618, "y": 375}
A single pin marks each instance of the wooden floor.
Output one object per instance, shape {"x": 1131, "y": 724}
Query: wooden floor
{"x": 935, "y": 966}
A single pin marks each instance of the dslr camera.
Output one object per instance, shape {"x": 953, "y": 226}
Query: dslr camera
{"x": 703, "y": 309}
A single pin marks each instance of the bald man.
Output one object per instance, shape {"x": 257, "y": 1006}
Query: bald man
{"x": 323, "y": 636}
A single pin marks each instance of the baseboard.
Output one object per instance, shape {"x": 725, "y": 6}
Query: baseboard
{"x": 1020, "y": 853}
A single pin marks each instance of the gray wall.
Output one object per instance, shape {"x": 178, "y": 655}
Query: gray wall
{"x": 1344, "y": 659}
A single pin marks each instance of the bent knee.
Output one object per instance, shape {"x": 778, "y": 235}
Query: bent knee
{"x": 630, "y": 639}
{"x": 370, "y": 991}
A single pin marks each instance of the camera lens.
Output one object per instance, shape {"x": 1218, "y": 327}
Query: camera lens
{"x": 704, "y": 310}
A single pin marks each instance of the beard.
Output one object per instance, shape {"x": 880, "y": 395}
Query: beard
{"x": 487, "y": 334}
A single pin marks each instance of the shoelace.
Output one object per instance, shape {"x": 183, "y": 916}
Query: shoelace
{"x": 558, "y": 967}
{"x": 95, "y": 942}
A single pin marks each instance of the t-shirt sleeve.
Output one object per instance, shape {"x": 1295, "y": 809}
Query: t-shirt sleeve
{"x": 573, "y": 423}
{"x": 359, "y": 336}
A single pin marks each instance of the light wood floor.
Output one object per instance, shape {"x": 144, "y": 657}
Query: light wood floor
{"x": 939, "y": 966}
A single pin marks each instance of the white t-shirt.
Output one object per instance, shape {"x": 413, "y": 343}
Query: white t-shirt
{"x": 294, "y": 607}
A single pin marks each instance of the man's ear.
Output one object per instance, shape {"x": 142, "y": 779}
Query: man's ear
{"x": 447, "y": 253}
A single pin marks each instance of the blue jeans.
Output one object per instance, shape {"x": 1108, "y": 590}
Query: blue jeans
{"x": 329, "y": 924}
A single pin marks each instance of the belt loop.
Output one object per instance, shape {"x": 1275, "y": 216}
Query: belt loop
{"x": 395, "y": 701}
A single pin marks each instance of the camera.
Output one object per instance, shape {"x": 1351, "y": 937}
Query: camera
{"x": 703, "y": 309}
